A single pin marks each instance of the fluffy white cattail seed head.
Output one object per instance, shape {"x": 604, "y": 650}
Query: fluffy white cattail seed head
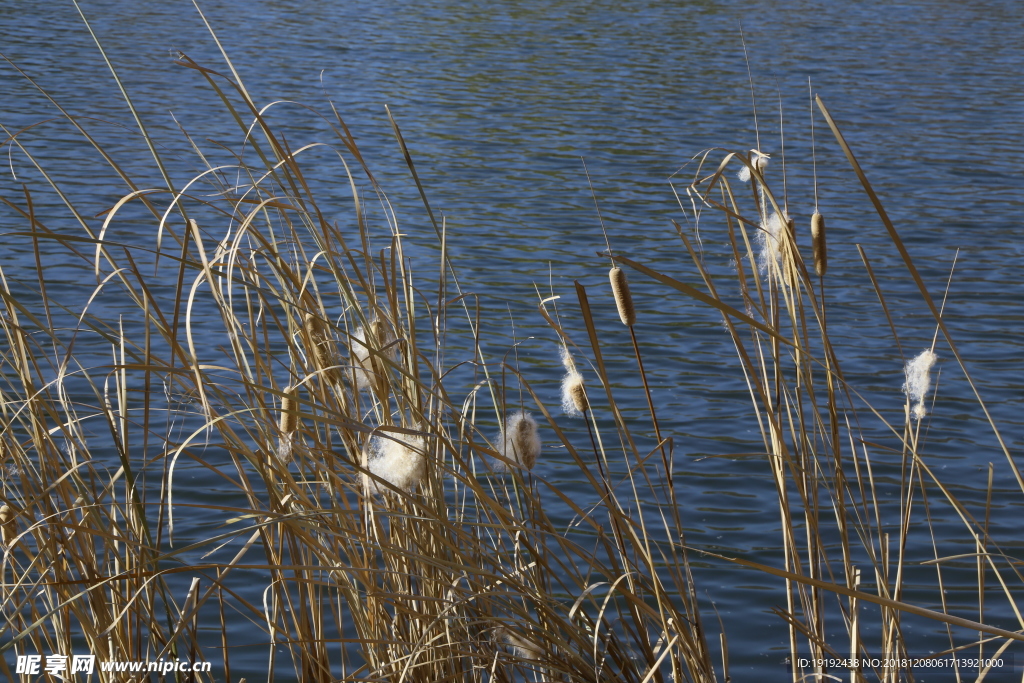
{"x": 519, "y": 441}
{"x": 818, "y": 244}
{"x": 919, "y": 380}
{"x": 623, "y": 299}
{"x": 401, "y": 463}
{"x": 574, "y": 395}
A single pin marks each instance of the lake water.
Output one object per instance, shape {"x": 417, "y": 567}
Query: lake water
{"x": 500, "y": 100}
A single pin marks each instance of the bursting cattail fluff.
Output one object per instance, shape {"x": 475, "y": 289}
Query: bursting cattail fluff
{"x": 919, "y": 380}
{"x": 363, "y": 339}
{"x": 623, "y": 299}
{"x": 818, "y": 244}
{"x": 519, "y": 441}
{"x": 402, "y": 463}
{"x": 574, "y": 394}
{"x": 759, "y": 161}
{"x": 288, "y": 424}
{"x": 769, "y": 241}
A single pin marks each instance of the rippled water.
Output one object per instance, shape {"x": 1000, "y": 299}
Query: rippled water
{"x": 499, "y": 101}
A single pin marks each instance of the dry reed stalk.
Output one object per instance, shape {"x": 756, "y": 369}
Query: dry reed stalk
{"x": 818, "y": 244}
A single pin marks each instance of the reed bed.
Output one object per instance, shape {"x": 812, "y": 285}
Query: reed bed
{"x": 389, "y": 512}
{"x": 833, "y": 456}
{"x": 303, "y": 362}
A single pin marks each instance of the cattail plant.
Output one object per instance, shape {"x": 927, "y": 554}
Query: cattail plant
{"x": 918, "y": 380}
{"x": 288, "y": 424}
{"x": 403, "y": 464}
{"x": 574, "y": 394}
{"x": 623, "y": 299}
{"x": 519, "y": 441}
{"x": 818, "y": 244}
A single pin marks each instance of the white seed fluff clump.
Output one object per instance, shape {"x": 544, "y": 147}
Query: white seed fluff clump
{"x": 759, "y": 160}
{"x": 519, "y": 441}
{"x": 364, "y": 364}
{"x": 286, "y": 447}
{"x": 919, "y": 380}
{"x": 769, "y": 240}
{"x": 361, "y": 358}
{"x": 574, "y": 395}
{"x": 402, "y": 463}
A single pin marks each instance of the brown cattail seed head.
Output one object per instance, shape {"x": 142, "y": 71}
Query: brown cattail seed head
{"x": 289, "y": 420}
{"x": 574, "y": 395}
{"x": 579, "y": 396}
{"x": 623, "y": 299}
{"x": 320, "y": 341}
{"x": 8, "y": 525}
{"x": 818, "y": 244}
